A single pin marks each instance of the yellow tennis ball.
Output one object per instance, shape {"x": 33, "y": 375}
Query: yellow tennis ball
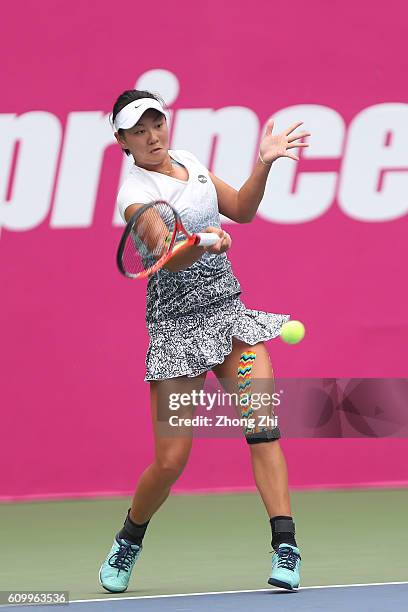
{"x": 292, "y": 332}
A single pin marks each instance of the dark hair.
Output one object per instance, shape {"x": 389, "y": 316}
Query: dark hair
{"x": 128, "y": 96}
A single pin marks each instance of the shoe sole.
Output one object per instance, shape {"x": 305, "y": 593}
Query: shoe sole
{"x": 282, "y": 585}
{"x": 104, "y": 587}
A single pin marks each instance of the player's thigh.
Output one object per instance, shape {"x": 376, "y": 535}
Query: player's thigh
{"x": 256, "y": 357}
{"x": 170, "y": 409}
{"x": 247, "y": 375}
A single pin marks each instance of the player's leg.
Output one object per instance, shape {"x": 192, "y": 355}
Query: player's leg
{"x": 249, "y": 368}
{"x": 268, "y": 461}
{"x": 172, "y": 446}
{"x": 172, "y": 449}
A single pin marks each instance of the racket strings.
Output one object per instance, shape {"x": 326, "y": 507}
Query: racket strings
{"x": 149, "y": 239}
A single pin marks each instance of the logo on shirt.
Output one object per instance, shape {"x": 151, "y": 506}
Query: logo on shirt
{"x": 202, "y": 178}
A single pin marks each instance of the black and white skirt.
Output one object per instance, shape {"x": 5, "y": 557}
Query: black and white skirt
{"x": 194, "y": 343}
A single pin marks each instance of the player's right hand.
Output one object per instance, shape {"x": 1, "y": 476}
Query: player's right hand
{"x": 223, "y": 244}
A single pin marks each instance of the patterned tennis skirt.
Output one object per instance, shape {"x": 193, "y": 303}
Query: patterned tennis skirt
{"x": 193, "y": 344}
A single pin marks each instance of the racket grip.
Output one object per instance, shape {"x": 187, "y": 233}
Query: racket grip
{"x": 207, "y": 238}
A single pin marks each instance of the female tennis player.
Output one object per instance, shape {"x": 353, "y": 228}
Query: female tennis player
{"x": 197, "y": 322}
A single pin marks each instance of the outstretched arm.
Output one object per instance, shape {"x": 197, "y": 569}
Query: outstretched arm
{"x": 241, "y": 206}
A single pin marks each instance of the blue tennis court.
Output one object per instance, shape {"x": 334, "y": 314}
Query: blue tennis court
{"x": 392, "y": 597}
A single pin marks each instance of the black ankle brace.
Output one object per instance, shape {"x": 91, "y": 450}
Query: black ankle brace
{"x": 132, "y": 531}
{"x": 283, "y": 530}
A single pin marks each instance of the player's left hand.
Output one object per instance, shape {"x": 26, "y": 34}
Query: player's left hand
{"x": 274, "y": 146}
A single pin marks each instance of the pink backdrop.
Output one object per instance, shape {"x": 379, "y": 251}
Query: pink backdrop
{"x": 74, "y": 404}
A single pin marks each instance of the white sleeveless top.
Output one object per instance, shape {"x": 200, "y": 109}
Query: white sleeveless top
{"x": 206, "y": 281}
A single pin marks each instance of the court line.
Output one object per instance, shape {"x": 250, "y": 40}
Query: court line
{"x": 324, "y": 586}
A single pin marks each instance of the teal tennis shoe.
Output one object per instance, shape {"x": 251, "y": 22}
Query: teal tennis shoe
{"x": 115, "y": 572}
{"x": 286, "y": 567}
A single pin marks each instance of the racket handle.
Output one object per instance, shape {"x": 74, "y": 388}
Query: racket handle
{"x": 207, "y": 238}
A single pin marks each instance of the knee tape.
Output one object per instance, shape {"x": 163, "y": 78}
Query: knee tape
{"x": 268, "y": 435}
{"x": 244, "y": 385}
{"x": 255, "y": 434}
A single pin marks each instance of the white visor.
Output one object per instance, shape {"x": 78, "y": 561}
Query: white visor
{"x": 131, "y": 113}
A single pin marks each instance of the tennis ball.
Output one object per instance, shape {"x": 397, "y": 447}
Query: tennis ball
{"x": 292, "y": 332}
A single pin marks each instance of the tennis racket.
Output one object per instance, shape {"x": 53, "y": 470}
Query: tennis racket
{"x": 149, "y": 239}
